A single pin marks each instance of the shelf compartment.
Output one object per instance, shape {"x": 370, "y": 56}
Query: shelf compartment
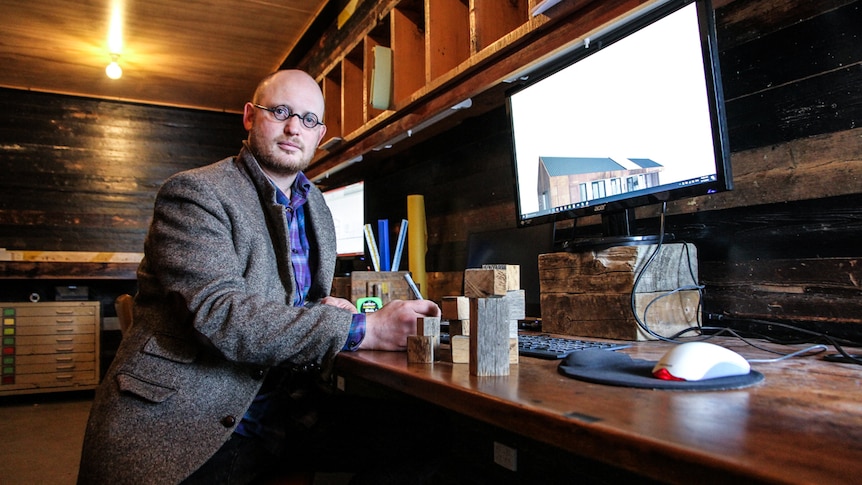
{"x": 447, "y": 35}
{"x": 352, "y": 99}
{"x": 331, "y": 87}
{"x": 378, "y": 37}
{"x": 408, "y": 50}
{"x": 491, "y": 20}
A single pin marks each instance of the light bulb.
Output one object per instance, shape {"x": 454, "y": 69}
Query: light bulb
{"x": 114, "y": 71}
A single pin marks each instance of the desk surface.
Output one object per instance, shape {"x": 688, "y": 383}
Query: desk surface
{"x": 803, "y": 423}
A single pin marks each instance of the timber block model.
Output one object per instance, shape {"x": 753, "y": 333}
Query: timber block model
{"x": 590, "y": 293}
{"x": 50, "y": 346}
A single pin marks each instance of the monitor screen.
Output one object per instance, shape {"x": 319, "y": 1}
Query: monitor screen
{"x": 347, "y": 205}
{"x": 630, "y": 117}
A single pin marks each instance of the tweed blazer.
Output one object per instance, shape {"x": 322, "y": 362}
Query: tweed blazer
{"x": 212, "y": 314}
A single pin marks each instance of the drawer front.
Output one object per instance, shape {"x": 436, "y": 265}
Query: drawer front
{"x": 56, "y": 379}
{"x": 54, "y": 368}
{"x": 55, "y": 348}
{"x": 23, "y": 341}
{"x": 51, "y": 309}
{"x": 70, "y": 358}
{"x": 44, "y": 321}
{"x": 54, "y": 329}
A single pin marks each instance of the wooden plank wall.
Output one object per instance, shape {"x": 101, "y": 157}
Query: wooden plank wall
{"x": 81, "y": 174}
{"x": 784, "y": 245}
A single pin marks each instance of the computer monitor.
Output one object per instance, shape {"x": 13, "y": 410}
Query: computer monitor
{"x": 631, "y": 116}
{"x": 347, "y": 205}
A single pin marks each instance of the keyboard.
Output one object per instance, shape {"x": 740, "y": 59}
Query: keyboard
{"x": 545, "y": 346}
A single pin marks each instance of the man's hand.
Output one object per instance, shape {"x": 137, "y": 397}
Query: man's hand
{"x": 339, "y": 302}
{"x": 388, "y": 328}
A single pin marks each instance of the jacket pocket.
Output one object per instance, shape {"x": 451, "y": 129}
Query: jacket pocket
{"x": 151, "y": 391}
{"x": 155, "y": 372}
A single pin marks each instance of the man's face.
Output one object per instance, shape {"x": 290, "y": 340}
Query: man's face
{"x": 285, "y": 147}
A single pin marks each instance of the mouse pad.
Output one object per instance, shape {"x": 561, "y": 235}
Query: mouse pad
{"x": 619, "y": 369}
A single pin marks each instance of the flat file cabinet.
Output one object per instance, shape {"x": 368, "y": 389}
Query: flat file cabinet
{"x": 50, "y": 346}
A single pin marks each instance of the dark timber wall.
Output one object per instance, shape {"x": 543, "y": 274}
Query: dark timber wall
{"x": 784, "y": 245}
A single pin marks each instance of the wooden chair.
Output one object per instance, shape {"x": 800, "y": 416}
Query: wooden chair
{"x": 123, "y": 304}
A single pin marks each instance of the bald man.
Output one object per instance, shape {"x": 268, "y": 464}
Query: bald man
{"x": 234, "y": 330}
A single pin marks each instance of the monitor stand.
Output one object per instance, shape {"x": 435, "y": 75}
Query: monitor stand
{"x": 617, "y": 230}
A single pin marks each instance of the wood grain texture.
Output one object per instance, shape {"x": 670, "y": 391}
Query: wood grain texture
{"x": 751, "y": 435}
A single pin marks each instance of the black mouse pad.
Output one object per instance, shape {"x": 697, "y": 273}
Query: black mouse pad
{"x": 619, "y": 369}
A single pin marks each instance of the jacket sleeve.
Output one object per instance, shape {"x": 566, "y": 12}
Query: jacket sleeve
{"x": 210, "y": 263}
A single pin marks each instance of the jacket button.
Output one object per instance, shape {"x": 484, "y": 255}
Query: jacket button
{"x": 228, "y": 421}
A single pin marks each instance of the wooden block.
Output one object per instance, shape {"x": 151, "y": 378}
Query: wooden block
{"x": 484, "y": 283}
{"x": 489, "y": 337}
{"x": 513, "y": 350}
{"x": 455, "y": 308}
{"x": 513, "y": 274}
{"x": 420, "y": 349}
{"x": 513, "y": 329}
{"x": 460, "y": 349}
{"x": 614, "y": 270}
{"x": 589, "y": 293}
{"x": 429, "y": 327}
{"x": 517, "y": 304}
{"x": 459, "y": 327}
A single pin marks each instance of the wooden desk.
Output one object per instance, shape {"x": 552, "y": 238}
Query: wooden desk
{"x": 802, "y": 424}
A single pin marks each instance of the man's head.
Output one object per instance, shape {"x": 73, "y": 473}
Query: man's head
{"x": 285, "y": 148}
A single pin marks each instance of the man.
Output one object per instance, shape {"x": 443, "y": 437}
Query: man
{"x": 233, "y": 322}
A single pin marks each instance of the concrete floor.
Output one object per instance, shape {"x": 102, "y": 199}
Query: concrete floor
{"x": 42, "y": 436}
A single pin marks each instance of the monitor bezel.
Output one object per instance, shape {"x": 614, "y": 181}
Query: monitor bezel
{"x": 625, "y": 26}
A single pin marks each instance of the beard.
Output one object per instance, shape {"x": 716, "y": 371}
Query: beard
{"x": 272, "y": 158}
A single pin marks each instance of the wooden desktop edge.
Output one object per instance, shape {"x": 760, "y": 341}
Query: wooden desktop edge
{"x": 644, "y": 452}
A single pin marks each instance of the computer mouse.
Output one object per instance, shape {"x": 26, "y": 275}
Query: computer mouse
{"x": 695, "y": 361}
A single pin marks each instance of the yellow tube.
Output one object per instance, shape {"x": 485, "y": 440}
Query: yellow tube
{"x": 417, "y": 241}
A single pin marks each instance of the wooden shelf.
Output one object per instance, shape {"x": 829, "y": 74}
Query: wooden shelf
{"x": 443, "y": 52}
{"x": 65, "y": 270}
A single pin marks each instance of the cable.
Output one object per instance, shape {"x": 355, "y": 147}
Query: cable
{"x": 642, "y": 322}
{"x": 818, "y": 348}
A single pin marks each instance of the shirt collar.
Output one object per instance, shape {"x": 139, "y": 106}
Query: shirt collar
{"x": 298, "y": 192}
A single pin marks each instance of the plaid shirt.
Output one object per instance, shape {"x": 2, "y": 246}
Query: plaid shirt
{"x": 264, "y": 418}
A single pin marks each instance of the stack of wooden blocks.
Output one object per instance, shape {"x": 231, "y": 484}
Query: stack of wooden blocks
{"x": 483, "y": 323}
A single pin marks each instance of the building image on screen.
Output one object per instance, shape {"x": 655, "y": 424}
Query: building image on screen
{"x": 347, "y": 205}
{"x": 632, "y": 116}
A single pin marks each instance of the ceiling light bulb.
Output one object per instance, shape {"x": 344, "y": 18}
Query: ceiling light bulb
{"x": 114, "y": 71}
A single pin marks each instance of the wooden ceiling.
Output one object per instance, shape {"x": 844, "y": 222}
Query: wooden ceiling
{"x": 203, "y": 54}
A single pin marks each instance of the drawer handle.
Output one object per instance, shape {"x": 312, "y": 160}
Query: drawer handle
{"x": 65, "y": 377}
{"x": 65, "y": 349}
{"x": 65, "y": 320}
{"x": 65, "y": 367}
{"x": 65, "y": 359}
{"x": 65, "y": 329}
{"x": 66, "y": 340}
{"x": 65, "y": 312}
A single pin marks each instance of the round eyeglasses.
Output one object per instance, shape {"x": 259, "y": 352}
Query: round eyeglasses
{"x": 283, "y": 113}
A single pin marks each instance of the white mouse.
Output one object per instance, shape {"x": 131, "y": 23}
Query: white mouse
{"x": 695, "y": 361}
